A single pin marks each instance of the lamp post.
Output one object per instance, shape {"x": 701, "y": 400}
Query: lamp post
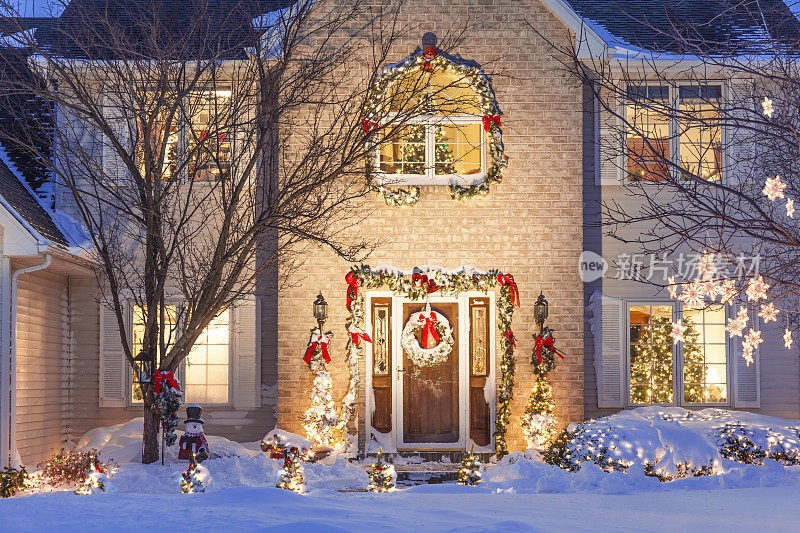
{"x": 540, "y": 311}
{"x": 145, "y": 367}
{"x": 320, "y": 311}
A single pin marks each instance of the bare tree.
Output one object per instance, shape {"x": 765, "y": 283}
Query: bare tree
{"x": 686, "y": 128}
{"x": 198, "y": 147}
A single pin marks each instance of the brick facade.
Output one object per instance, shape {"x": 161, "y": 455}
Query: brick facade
{"x": 530, "y": 225}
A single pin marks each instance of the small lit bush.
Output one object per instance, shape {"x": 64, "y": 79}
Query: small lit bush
{"x": 12, "y": 480}
{"x": 68, "y": 467}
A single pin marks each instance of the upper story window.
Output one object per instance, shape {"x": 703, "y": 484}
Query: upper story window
{"x": 199, "y": 131}
{"x": 443, "y": 139}
{"x": 691, "y": 138}
{"x": 691, "y": 372}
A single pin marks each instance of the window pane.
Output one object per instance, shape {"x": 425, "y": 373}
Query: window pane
{"x": 435, "y": 93}
{"x": 405, "y": 155}
{"x": 651, "y": 354}
{"x": 700, "y": 132}
{"x": 208, "y": 364}
{"x": 458, "y": 149}
{"x": 704, "y": 356}
{"x": 647, "y": 138}
{"x": 209, "y": 135}
{"x": 137, "y": 342}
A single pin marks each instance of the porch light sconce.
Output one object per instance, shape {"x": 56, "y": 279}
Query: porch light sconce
{"x": 540, "y": 311}
{"x": 145, "y": 365}
{"x": 320, "y": 310}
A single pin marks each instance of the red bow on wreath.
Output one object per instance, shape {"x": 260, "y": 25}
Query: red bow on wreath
{"x": 428, "y": 328}
{"x": 358, "y": 334}
{"x": 161, "y": 376}
{"x": 369, "y": 125}
{"x": 547, "y": 343}
{"x": 508, "y": 280}
{"x": 488, "y": 120}
{"x": 353, "y": 283}
{"x": 321, "y": 342}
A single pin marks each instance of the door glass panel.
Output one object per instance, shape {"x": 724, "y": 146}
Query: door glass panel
{"x": 430, "y": 394}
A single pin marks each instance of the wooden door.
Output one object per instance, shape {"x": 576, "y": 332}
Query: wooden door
{"x": 431, "y": 394}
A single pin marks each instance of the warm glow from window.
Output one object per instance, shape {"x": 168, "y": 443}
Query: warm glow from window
{"x": 137, "y": 342}
{"x": 647, "y": 140}
{"x": 700, "y": 140}
{"x": 705, "y": 372}
{"x": 651, "y": 355}
{"x": 209, "y": 140}
{"x": 208, "y": 364}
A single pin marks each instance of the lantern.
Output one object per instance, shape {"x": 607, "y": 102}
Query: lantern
{"x": 540, "y": 311}
{"x": 320, "y": 310}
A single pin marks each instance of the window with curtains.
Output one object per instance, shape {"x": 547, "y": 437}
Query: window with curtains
{"x": 661, "y": 371}
{"x": 673, "y": 127}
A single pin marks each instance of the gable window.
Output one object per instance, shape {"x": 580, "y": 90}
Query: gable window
{"x": 443, "y": 140}
{"x": 692, "y": 139}
{"x": 205, "y": 372}
{"x": 691, "y": 372}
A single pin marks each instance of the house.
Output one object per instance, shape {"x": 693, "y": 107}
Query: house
{"x": 490, "y": 208}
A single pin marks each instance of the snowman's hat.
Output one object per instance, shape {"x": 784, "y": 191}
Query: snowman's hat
{"x": 193, "y": 412}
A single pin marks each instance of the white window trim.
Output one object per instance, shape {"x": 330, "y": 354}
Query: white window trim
{"x": 674, "y": 141}
{"x": 430, "y": 177}
{"x": 180, "y": 373}
{"x": 677, "y": 360}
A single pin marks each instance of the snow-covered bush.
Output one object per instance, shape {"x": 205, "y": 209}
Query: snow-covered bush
{"x": 12, "y": 480}
{"x": 747, "y": 444}
{"x": 68, "y": 467}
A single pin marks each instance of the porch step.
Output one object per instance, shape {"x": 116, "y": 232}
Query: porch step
{"x": 412, "y": 469}
{"x": 429, "y": 457}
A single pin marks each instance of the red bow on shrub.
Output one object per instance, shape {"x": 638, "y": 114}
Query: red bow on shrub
{"x": 508, "y": 280}
{"x": 510, "y": 338}
{"x": 161, "y": 376}
{"x": 353, "y": 283}
{"x": 489, "y": 120}
{"x": 547, "y": 343}
{"x": 321, "y": 342}
{"x": 428, "y": 328}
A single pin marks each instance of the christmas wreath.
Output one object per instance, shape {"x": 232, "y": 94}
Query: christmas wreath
{"x": 432, "y": 325}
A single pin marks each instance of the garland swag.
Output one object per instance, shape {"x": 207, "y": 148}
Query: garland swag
{"x": 418, "y": 287}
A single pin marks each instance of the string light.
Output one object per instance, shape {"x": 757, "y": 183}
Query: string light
{"x": 790, "y": 208}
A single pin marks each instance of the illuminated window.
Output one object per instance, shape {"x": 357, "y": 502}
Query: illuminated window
{"x": 696, "y": 131}
{"x": 647, "y": 139}
{"x": 209, "y": 138}
{"x": 205, "y": 373}
{"x": 651, "y": 354}
{"x": 700, "y": 139}
{"x": 444, "y": 139}
{"x": 701, "y": 359}
{"x": 705, "y": 369}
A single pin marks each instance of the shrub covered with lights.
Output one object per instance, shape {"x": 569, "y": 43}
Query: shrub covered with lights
{"x": 12, "y": 480}
{"x": 470, "y": 471}
{"x": 382, "y": 476}
{"x": 747, "y": 444}
{"x": 69, "y": 467}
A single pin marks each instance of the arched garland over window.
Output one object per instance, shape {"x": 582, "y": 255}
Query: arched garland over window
{"x": 430, "y": 60}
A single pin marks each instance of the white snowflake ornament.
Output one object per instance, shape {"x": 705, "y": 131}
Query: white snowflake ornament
{"x": 768, "y": 313}
{"x": 756, "y": 289}
{"x": 749, "y": 344}
{"x": 672, "y": 287}
{"x": 766, "y": 105}
{"x": 773, "y": 188}
{"x": 790, "y": 208}
{"x": 736, "y": 325}
{"x": 787, "y": 338}
{"x": 678, "y": 329}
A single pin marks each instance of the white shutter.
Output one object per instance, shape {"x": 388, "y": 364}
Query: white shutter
{"x": 112, "y": 361}
{"x": 246, "y": 355}
{"x": 610, "y": 353}
{"x": 746, "y": 378}
{"x": 113, "y": 165}
{"x": 739, "y": 141}
{"x": 608, "y": 144}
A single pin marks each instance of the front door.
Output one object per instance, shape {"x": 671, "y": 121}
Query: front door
{"x": 431, "y": 395}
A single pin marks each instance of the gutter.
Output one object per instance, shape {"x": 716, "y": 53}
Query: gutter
{"x": 8, "y": 387}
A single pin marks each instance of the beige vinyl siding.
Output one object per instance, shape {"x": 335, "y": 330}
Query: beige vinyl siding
{"x": 42, "y": 365}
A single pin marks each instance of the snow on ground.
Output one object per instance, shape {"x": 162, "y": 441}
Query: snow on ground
{"x": 518, "y": 494}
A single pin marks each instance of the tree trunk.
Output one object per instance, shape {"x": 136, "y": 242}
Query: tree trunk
{"x": 151, "y": 422}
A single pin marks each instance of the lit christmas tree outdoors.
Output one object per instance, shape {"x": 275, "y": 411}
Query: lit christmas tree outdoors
{"x": 382, "y": 475}
{"x": 292, "y": 473}
{"x": 539, "y": 422}
{"x": 95, "y": 481}
{"x": 195, "y": 479}
{"x": 470, "y": 471}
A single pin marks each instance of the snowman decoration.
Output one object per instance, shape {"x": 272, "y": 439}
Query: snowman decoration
{"x": 193, "y": 443}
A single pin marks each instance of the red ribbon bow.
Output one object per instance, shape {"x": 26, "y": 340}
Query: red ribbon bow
{"x": 510, "y": 337}
{"x": 488, "y": 120}
{"x": 353, "y": 283}
{"x": 357, "y": 335}
{"x": 321, "y": 343}
{"x": 162, "y": 376}
{"x": 421, "y": 280}
{"x": 428, "y": 328}
{"x": 548, "y": 343}
{"x": 368, "y": 125}
{"x": 508, "y": 280}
